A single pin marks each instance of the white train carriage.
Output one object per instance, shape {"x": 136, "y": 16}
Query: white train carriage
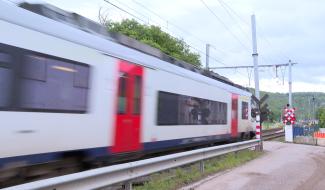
{"x": 66, "y": 90}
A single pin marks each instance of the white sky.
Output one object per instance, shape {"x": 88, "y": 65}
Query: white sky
{"x": 290, "y": 29}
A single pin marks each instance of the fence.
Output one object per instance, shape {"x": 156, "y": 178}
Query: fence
{"x": 308, "y": 135}
{"x": 304, "y": 130}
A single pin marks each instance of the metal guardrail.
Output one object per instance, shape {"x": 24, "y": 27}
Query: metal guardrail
{"x": 106, "y": 176}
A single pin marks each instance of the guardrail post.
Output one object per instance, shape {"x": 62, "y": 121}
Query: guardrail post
{"x": 128, "y": 185}
{"x": 202, "y": 166}
{"x": 258, "y": 147}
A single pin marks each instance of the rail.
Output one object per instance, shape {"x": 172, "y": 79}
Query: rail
{"x": 106, "y": 176}
{"x": 272, "y": 133}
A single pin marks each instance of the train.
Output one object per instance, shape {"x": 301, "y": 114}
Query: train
{"x": 71, "y": 89}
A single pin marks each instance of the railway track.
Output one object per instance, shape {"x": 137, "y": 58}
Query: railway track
{"x": 272, "y": 133}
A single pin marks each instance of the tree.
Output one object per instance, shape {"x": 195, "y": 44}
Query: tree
{"x": 321, "y": 117}
{"x": 274, "y": 116}
{"x": 155, "y": 37}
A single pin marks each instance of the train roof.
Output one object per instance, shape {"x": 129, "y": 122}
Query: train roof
{"x": 78, "y": 29}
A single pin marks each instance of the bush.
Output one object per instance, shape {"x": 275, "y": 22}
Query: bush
{"x": 321, "y": 117}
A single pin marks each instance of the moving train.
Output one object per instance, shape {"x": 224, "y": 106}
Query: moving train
{"x": 71, "y": 89}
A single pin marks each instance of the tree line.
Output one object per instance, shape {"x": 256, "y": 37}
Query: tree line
{"x": 154, "y": 37}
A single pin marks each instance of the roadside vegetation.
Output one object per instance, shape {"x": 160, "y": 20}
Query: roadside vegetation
{"x": 302, "y": 101}
{"x": 321, "y": 117}
{"x": 182, "y": 176}
{"x": 271, "y": 125}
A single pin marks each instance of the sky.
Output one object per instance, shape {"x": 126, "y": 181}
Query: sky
{"x": 290, "y": 29}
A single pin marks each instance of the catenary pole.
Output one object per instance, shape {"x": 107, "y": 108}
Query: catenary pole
{"x": 290, "y": 83}
{"x": 255, "y": 58}
{"x": 288, "y": 128}
{"x": 207, "y": 56}
{"x": 256, "y": 79}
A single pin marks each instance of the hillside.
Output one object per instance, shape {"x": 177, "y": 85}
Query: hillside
{"x": 302, "y": 101}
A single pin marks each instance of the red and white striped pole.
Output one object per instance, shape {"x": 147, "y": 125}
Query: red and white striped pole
{"x": 258, "y": 132}
{"x": 258, "y": 127}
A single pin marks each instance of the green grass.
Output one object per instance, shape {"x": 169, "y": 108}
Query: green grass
{"x": 279, "y": 139}
{"x": 176, "y": 178}
{"x": 268, "y": 125}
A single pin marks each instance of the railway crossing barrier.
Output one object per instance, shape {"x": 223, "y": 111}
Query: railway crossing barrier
{"x": 106, "y": 176}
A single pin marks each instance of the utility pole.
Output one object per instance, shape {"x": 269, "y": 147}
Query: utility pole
{"x": 290, "y": 84}
{"x": 255, "y": 59}
{"x": 207, "y": 56}
{"x": 258, "y": 131}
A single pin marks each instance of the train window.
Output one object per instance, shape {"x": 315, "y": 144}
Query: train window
{"x": 244, "y": 108}
{"x": 122, "y": 93}
{"x": 31, "y": 81}
{"x": 223, "y": 113}
{"x": 34, "y": 68}
{"x": 175, "y": 109}
{"x": 137, "y": 95}
{"x": 5, "y": 60}
{"x": 6, "y": 79}
{"x": 167, "y": 108}
{"x": 81, "y": 77}
{"x": 48, "y": 84}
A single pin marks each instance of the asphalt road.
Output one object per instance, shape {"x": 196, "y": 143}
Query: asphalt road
{"x": 284, "y": 166}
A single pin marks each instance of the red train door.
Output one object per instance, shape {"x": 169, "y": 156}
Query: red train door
{"x": 128, "y": 115}
{"x": 234, "y": 115}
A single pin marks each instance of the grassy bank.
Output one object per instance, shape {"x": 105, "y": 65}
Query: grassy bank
{"x": 268, "y": 125}
{"x": 176, "y": 178}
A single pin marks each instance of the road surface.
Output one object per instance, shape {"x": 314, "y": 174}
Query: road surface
{"x": 284, "y": 166}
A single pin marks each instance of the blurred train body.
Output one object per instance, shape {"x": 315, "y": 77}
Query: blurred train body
{"x": 68, "y": 89}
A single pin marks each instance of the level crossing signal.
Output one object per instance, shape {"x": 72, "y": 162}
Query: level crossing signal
{"x": 289, "y": 116}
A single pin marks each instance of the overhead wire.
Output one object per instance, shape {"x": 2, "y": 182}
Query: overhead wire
{"x": 107, "y": 1}
{"x": 263, "y": 37}
{"x": 227, "y": 28}
{"x": 134, "y": 16}
{"x": 230, "y": 12}
{"x": 138, "y": 18}
{"x": 134, "y": 11}
{"x": 234, "y": 12}
{"x": 224, "y": 25}
{"x": 191, "y": 46}
{"x": 234, "y": 19}
{"x": 260, "y": 34}
{"x": 270, "y": 44}
{"x": 176, "y": 26}
{"x": 185, "y": 31}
